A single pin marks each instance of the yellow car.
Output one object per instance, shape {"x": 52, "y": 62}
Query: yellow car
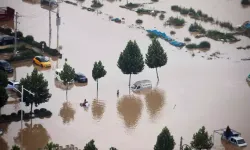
{"x": 42, "y": 61}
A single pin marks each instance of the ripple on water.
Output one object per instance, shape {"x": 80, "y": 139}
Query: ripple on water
{"x": 34, "y": 137}
{"x": 155, "y": 100}
{"x": 98, "y": 109}
{"x": 129, "y": 108}
{"x": 67, "y": 113}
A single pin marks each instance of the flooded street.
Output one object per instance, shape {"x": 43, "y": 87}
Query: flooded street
{"x": 192, "y": 91}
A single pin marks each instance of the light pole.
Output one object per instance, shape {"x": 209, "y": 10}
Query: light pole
{"x": 21, "y": 92}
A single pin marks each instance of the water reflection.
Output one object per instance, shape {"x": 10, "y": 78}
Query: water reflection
{"x": 60, "y": 85}
{"x": 34, "y": 137}
{"x": 129, "y": 108}
{"x": 155, "y": 101}
{"x": 3, "y": 144}
{"x": 25, "y": 63}
{"x": 80, "y": 84}
{"x": 98, "y": 108}
{"x": 67, "y": 112}
{"x": 39, "y": 68}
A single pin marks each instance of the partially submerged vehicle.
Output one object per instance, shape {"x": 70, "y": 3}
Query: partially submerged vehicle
{"x": 231, "y": 136}
{"x": 141, "y": 85}
{"x": 248, "y": 78}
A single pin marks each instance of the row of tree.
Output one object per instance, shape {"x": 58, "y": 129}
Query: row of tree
{"x": 165, "y": 141}
{"x": 3, "y": 94}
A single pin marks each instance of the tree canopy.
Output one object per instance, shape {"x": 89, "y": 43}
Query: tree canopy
{"x": 98, "y": 71}
{"x": 156, "y": 57}
{"x": 3, "y": 79}
{"x": 51, "y": 146}
{"x": 165, "y": 141}
{"x": 201, "y": 140}
{"x": 113, "y": 148}
{"x": 131, "y": 60}
{"x": 90, "y": 145}
{"x": 3, "y": 96}
{"x": 36, "y": 84}
{"x": 15, "y": 147}
{"x": 67, "y": 74}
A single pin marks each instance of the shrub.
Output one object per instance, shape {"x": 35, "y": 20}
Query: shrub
{"x": 172, "y": 32}
{"x": 227, "y": 25}
{"x": 29, "y": 39}
{"x": 216, "y": 35}
{"x": 186, "y": 39}
{"x": 191, "y": 46}
{"x": 152, "y": 36}
{"x": 36, "y": 111}
{"x": 48, "y": 114}
{"x": 4, "y": 117}
{"x": 96, "y": 4}
{"x": 19, "y": 112}
{"x": 175, "y": 8}
{"x": 26, "y": 116}
{"x": 155, "y": 0}
{"x": 184, "y": 11}
{"x": 176, "y": 21}
{"x": 143, "y": 11}
{"x": 139, "y": 21}
{"x": 204, "y": 44}
{"x": 19, "y": 34}
{"x": 6, "y": 31}
{"x": 43, "y": 110}
{"x": 7, "y": 118}
{"x": 28, "y": 54}
{"x": 196, "y": 28}
{"x": 162, "y": 16}
{"x": 15, "y": 117}
{"x": 132, "y": 5}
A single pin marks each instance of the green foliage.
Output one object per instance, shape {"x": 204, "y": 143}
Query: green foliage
{"x": 90, "y": 145}
{"x": 156, "y": 57}
{"x": 36, "y": 84}
{"x": 131, "y": 59}
{"x": 3, "y": 78}
{"x": 19, "y": 34}
{"x": 187, "y": 39}
{"x": 191, "y": 46}
{"x": 204, "y": 44}
{"x": 113, "y": 148}
{"x": 165, "y": 141}
{"x": 3, "y": 96}
{"x": 217, "y": 35}
{"x": 175, "y": 8}
{"x": 195, "y": 27}
{"x": 201, "y": 140}
{"x": 96, "y": 4}
{"x": 68, "y": 73}
{"x": 29, "y": 39}
{"x": 98, "y": 71}
{"x": 132, "y": 5}
{"x": 6, "y": 31}
{"x": 245, "y": 2}
{"x": 27, "y": 54}
{"x": 176, "y": 21}
{"x": 15, "y": 147}
{"x": 162, "y": 16}
{"x": 51, "y": 146}
{"x": 187, "y": 148}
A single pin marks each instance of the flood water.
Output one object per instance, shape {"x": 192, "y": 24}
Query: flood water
{"x": 192, "y": 91}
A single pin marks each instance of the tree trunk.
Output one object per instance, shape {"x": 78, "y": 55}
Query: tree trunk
{"x": 157, "y": 74}
{"x": 67, "y": 92}
{"x": 97, "y": 89}
{"x": 129, "y": 83}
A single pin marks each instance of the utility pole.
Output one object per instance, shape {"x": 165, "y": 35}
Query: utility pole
{"x": 49, "y": 24}
{"x": 58, "y": 22}
{"x": 16, "y": 17}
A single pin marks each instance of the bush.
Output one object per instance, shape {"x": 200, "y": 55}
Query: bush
{"x": 176, "y": 21}
{"x": 143, "y": 11}
{"x": 175, "y": 8}
{"x": 191, "y": 46}
{"x": 196, "y": 28}
{"x": 162, "y": 16}
{"x": 19, "y": 112}
{"x": 4, "y": 117}
{"x": 29, "y": 39}
{"x": 19, "y": 34}
{"x": 204, "y": 44}
{"x": 216, "y": 35}
{"x": 139, "y": 21}
{"x": 15, "y": 117}
{"x": 155, "y": 0}
{"x": 48, "y": 114}
{"x": 172, "y": 32}
{"x": 184, "y": 11}
{"x": 186, "y": 39}
{"x": 245, "y": 2}
{"x": 26, "y": 116}
{"x": 152, "y": 36}
{"x": 6, "y": 31}
{"x": 132, "y": 5}
{"x": 36, "y": 111}
{"x": 28, "y": 54}
{"x": 96, "y": 4}
{"x": 42, "y": 110}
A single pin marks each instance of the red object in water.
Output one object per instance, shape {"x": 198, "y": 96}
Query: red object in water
{"x": 6, "y": 13}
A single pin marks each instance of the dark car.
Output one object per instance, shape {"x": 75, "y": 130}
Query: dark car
{"x": 6, "y": 39}
{"x": 5, "y": 66}
{"x": 49, "y": 2}
{"x": 79, "y": 77}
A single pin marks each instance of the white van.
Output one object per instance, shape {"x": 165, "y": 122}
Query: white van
{"x": 141, "y": 85}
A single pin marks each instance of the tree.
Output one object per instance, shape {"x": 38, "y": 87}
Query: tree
{"x": 3, "y": 97}
{"x": 51, "y": 146}
{"x": 113, "y": 148}
{"x": 90, "y": 145}
{"x": 201, "y": 140}
{"x": 15, "y": 147}
{"x": 131, "y": 60}
{"x": 67, "y": 74}
{"x": 98, "y": 71}
{"x": 36, "y": 84}
{"x": 3, "y": 79}
{"x": 165, "y": 141}
{"x": 156, "y": 57}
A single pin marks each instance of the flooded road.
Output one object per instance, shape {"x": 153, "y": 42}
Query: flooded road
{"x": 192, "y": 91}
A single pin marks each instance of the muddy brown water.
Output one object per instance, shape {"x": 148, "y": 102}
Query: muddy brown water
{"x": 192, "y": 91}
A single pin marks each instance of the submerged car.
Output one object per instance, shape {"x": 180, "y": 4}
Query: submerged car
{"x": 13, "y": 85}
{"x": 42, "y": 61}
{"x": 81, "y": 78}
{"x": 141, "y": 85}
{"x": 234, "y": 138}
{"x": 6, "y": 39}
{"x": 5, "y": 66}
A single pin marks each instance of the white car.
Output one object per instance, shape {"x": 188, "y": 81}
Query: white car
{"x": 12, "y": 85}
{"x": 141, "y": 85}
{"x": 57, "y": 75}
{"x": 235, "y": 139}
